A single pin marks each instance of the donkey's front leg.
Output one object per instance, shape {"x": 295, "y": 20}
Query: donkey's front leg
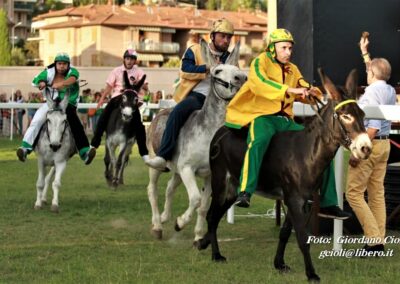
{"x": 59, "y": 168}
{"x": 284, "y": 235}
{"x": 152, "y": 192}
{"x": 189, "y": 179}
{"x": 47, "y": 182}
{"x": 173, "y": 184}
{"x": 40, "y": 184}
{"x": 108, "y": 165}
{"x": 296, "y": 207}
{"x": 200, "y": 228}
{"x": 122, "y": 161}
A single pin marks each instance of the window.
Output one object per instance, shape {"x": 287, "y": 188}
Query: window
{"x": 51, "y": 37}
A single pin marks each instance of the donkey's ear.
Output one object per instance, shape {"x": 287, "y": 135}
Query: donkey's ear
{"x": 49, "y": 99}
{"x": 64, "y": 102}
{"x": 351, "y": 83}
{"x": 127, "y": 83}
{"x": 206, "y": 53}
{"x": 140, "y": 83}
{"x": 330, "y": 88}
{"x": 233, "y": 58}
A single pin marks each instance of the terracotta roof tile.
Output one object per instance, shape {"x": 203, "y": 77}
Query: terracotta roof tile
{"x": 140, "y": 15}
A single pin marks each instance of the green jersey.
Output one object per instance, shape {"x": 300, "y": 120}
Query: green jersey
{"x": 48, "y": 75}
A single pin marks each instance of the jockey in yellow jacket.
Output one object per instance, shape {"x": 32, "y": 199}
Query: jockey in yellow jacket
{"x": 265, "y": 105}
{"x": 194, "y": 86}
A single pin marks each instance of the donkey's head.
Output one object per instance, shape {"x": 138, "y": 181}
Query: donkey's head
{"x": 129, "y": 97}
{"x": 348, "y": 117}
{"x": 56, "y": 119}
{"x": 226, "y": 80}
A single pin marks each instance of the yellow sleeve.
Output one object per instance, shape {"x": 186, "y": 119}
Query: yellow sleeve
{"x": 260, "y": 83}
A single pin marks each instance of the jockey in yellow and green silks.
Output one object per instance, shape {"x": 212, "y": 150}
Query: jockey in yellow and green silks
{"x": 265, "y": 105}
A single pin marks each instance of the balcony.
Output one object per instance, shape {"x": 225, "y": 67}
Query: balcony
{"x": 24, "y": 6}
{"x": 159, "y": 47}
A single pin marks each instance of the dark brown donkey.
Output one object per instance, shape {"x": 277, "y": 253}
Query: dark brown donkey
{"x": 293, "y": 166}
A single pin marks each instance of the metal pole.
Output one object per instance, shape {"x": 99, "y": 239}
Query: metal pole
{"x": 12, "y": 37}
{"x": 230, "y": 216}
{"x": 12, "y": 116}
{"x": 339, "y": 178}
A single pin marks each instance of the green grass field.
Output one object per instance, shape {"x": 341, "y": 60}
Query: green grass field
{"x": 103, "y": 236}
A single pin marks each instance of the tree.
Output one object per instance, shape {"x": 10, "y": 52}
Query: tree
{"x": 32, "y": 52}
{"x": 5, "y": 57}
{"x": 18, "y": 57}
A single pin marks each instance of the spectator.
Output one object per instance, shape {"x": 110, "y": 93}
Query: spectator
{"x": 83, "y": 112}
{"x": 33, "y": 98}
{"x": 146, "y": 92}
{"x": 368, "y": 175}
{"x": 20, "y": 112}
{"x": 94, "y": 117}
{"x": 5, "y": 116}
{"x": 156, "y": 97}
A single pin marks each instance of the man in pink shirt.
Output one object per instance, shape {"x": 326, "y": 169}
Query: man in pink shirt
{"x": 114, "y": 86}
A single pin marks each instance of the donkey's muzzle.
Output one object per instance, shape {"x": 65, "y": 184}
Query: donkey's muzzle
{"x": 55, "y": 147}
{"x": 126, "y": 116}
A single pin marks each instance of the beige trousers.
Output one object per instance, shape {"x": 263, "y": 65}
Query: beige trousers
{"x": 369, "y": 175}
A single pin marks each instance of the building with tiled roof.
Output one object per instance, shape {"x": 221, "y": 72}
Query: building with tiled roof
{"x": 97, "y": 35}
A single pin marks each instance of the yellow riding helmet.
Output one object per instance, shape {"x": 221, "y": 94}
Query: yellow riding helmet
{"x": 222, "y": 26}
{"x": 280, "y": 35}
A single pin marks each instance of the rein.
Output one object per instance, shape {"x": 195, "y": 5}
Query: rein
{"x": 227, "y": 85}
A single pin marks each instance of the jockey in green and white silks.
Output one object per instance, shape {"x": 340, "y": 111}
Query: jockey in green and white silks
{"x": 63, "y": 78}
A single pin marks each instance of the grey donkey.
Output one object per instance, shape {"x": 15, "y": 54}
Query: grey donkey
{"x": 54, "y": 147}
{"x": 190, "y": 158}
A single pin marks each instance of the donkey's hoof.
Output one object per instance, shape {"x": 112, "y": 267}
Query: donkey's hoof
{"x": 283, "y": 268}
{"x": 37, "y": 207}
{"x": 115, "y": 183}
{"x": 218, "y": 258}
{"x": 177, "y": 228}
{"x": 157, "y": 234}
{"x": 314, "y": 278}
{"x": 54, "y": 208}
{"x": 202, "y": 243}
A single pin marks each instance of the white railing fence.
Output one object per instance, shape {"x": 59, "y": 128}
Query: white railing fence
{"x": 387, "y": 112}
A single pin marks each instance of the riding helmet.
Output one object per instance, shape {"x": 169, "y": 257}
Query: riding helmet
{"x": 62, "y": 57}
{"x": 278, "y": 35}
{"x": 130, "y": 53}
{"x": 222, "y": 26}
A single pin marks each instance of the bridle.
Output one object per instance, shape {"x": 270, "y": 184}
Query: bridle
{"x": 344, "y": 133}
{"x": 225, "y": 84}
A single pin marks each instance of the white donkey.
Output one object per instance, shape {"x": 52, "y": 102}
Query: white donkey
{"x": 192, "y": 151}
{"x": 55, "y": 145}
